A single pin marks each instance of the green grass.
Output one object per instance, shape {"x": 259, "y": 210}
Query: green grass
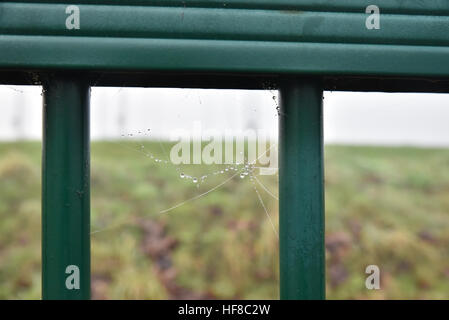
{"x": 384, "y": 206}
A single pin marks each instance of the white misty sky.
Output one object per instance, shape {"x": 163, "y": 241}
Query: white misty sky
{"x": 349, "y": 117}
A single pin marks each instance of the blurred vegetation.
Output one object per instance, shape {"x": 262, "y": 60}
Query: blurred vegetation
{"x": 384, "y": 206}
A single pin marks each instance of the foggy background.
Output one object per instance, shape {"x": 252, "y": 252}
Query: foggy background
{"x": 349, "y": 117}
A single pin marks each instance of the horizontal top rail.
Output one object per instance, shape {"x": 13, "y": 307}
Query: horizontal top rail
{"x": 324, "y": 37}
{"x": 431, "y": 7}
{"x": 229, "y": 24}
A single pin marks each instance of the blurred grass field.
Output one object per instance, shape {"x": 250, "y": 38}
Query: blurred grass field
{"x": 384, "y": 206}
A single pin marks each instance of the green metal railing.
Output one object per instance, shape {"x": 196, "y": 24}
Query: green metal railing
{"x": 300, "y": 47}
{"x": 66, "y": 189}
{"x": 66, "y": 192}
{"x": 301, "y": 190}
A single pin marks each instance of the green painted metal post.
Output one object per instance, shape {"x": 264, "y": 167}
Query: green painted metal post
{"x": 301, "y": 190}
{"x": 66, "y": 189}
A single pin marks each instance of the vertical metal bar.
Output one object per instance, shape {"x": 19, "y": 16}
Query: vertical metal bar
{"x": 301, "y": 189}
{"x": 66, "y": 189}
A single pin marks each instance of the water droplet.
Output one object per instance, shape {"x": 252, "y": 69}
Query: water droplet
{"x": 242, "y": 175}
{"x": 195, "y": 180}
{"x": 182, "y": 175}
